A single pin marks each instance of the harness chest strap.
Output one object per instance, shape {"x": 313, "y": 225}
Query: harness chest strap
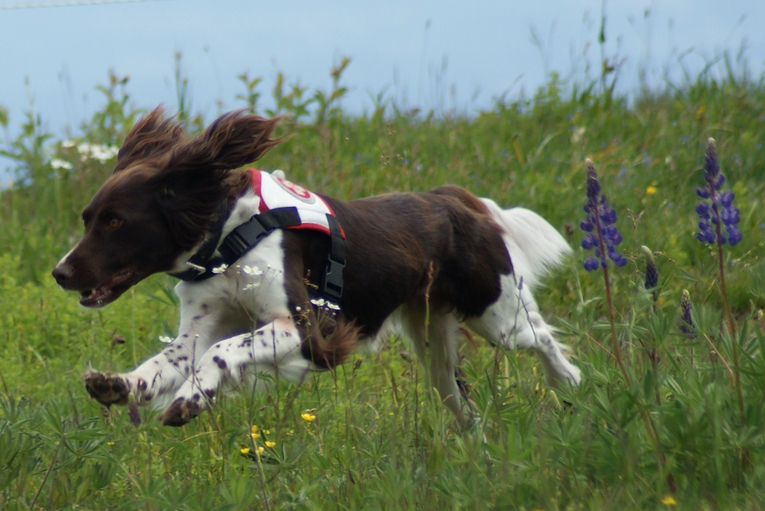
{"x": 298, "y": 209}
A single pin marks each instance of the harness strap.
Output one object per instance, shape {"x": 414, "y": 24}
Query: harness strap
{"x": 247, "y": 235}
{"x": 332, "y": 280}
{"x": 201, "y": 258}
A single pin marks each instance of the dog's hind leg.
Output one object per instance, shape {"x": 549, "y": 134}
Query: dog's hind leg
{"x": 514, "y": 321}
{"x": 436, "y": 347}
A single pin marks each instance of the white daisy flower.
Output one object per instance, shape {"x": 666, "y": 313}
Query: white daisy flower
{"x": 60, "y": 164}
{"x": 252, "y": 270}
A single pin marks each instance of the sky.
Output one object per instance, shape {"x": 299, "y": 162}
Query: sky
{"x": 450, "y": 56}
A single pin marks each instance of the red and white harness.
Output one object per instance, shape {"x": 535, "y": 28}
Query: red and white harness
{"x": 283, "y": 205}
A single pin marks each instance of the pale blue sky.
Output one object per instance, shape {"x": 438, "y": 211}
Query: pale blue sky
{"x": 440, "y": 54}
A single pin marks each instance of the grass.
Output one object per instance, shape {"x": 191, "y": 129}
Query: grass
{"x": 379, "y": 439}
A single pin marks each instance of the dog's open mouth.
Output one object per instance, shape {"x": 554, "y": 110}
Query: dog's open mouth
{"x": 108, "y": 292}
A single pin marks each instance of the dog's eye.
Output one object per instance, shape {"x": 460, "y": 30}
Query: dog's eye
{"x": 114, "y": 223}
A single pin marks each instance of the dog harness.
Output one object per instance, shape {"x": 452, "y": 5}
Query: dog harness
{"x": 283, "y": 205}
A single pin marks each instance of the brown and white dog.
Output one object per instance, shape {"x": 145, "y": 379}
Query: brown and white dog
{"x": 443, "y": 254}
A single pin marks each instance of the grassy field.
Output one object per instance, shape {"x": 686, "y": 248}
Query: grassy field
{"x": 680, "y": 425}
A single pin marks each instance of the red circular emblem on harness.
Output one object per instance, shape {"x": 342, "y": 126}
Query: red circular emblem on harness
{"x": 296, "y": 191}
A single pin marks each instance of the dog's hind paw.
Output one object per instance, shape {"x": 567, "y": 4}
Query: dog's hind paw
{"x": 107, "y": 389}
{"x": 181, "y": 411}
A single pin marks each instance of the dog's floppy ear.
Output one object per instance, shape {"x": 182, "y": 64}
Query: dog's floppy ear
{"x": 192, "y": 180}
{"x": 231, "y": 141}
{"x": 151, "y": 136}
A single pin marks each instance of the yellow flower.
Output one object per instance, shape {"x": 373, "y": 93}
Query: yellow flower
{"x": 110, "y": 443}
{"x": 244, "y": 450}
{"x": 308, "y": 417}
{"x": 669, "y": 501}
{"x": 266, "y": 431}
{"x": 259, "y": 451}
{"x": 270, "y": 444}
{"x": 650, "y": 190}
{"x": 255, "y": 435}
{"x": 254, "y": 428}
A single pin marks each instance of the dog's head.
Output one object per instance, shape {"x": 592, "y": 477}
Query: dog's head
{"x": 159, "y": 202}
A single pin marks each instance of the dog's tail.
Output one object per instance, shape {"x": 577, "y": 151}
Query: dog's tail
{"x": 329, "y": 341}
{"x": 534, "y": 245}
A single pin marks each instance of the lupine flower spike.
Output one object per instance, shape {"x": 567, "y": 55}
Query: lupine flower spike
{"x": 602, "y": 236}
{"x": 687, "y": 327}
{"x": 600, "y": 226}
{"x": 651, "y": 273}
{"x": 716, "y": 208}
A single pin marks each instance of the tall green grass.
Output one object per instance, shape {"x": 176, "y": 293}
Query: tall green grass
{"x": 379, "y": 438}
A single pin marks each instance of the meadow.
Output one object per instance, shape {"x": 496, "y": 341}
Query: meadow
{"x": 670, "y": 411}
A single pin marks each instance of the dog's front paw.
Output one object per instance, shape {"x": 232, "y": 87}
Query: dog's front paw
{"x": 113, "y": 389}
{"x": 181, "y": 411}
{"x": 107, "y": 389}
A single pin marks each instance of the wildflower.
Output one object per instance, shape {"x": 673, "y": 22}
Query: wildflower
{"x": 325, "y": 304}
{"x": 716, "y": 208}
{"x": 651, "y": 272}
{"x": 687, "y": 327}
{"x": 165, "y": 339}
{"x": 110, "y": 443}
{"x": 244, "y": 450}
{"x": 577, "y": 134}
{"x": 102, "y": 153}
{"x": 668, "y": 500}
{"x": 260, "y": 450}
{"x": 602, "y": 234}
{"x": 650, "y": 190}
{"x": 266, "y": 431}
{"x": 220, "y": 269}
{"x": 252, "y": 270}
{"x": 59, "y": 164}
{"x": 67, "y": 144}
{"x": 254, "y": 432}
{"x": 270, "y": 444}
{"x": 308, "y": 416}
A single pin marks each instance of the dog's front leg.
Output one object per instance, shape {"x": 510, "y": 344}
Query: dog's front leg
{"x": 161, "y": 375}
{"x": 274, "y": 347}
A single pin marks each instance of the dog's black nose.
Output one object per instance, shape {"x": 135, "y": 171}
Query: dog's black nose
{"x": 62, "y": 273}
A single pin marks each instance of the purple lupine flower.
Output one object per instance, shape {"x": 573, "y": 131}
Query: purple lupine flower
{"x": 600, "y": 226}
{"x": 716, "y": 208}
{"x": 651, "y": 272}
{"x": 687, "y": 327}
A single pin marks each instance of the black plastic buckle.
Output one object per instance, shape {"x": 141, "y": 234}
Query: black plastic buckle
{"x": 332, "y": 287}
